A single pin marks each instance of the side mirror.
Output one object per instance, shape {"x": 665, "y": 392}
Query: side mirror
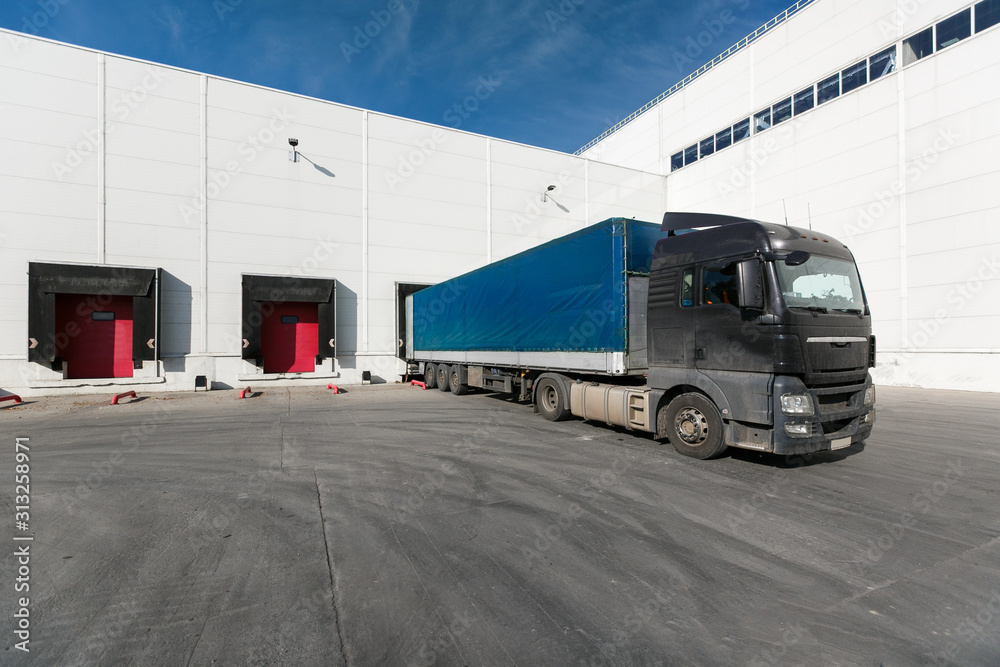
{"x": 751, "y": 285}
{"x": 797, "y": 257}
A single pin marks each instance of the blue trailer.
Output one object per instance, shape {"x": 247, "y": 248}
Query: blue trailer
{"x": 710, "y": 331}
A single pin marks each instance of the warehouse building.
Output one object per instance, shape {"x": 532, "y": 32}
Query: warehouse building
{"x": 870, "y": 120}
{"x": 158, "y": 226}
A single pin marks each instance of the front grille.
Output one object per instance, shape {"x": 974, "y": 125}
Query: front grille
{"x": 834, "y": 426}
{"x": 830, "y": 402}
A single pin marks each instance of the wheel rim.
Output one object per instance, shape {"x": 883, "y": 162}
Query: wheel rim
{"x": 550, "y": 400}
{"x": 691, "y": 426}
{"x": 454, "y": 378}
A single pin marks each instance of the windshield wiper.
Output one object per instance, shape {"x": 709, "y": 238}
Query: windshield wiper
{"x": 816, "y": 309}
{"x": 856, "y": 311}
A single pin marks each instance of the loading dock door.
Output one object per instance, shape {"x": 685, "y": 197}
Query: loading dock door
{"x": 308, "y": 308}
{"x": 289, "y": 336}
{"x": 63, "y": 326}
{"x": 97, "y": 335}
{"x": 403, "y": 290}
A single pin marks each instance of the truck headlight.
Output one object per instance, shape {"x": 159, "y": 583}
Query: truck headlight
{"x": 797, "y": 404}
{"x": 870, "y": 395}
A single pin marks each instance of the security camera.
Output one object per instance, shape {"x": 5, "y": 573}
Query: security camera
{"x": 551, "y": 188}
{"x": 293, "y": 142}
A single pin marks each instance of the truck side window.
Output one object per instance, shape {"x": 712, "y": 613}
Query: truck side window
{"x": 719, "y": 287}
{"x": 687, "y": 287}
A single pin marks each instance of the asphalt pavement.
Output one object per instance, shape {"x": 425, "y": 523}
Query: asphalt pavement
{"x": 391, "y": 525}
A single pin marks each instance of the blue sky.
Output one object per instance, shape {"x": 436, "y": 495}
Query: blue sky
{"x": 555, "y": 73}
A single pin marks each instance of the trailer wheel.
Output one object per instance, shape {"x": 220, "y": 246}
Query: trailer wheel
{"x": 455, "y": 381}
{"x": 693, "y": 425}
{"x": 442, "y": 377}
{"x": 550, "y": 399}
{"x": 430, "y": 375}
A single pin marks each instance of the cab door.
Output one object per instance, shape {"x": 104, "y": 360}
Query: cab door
{"x": 727, "y": 334}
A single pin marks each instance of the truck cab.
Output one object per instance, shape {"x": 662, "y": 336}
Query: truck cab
{"x": 767, "y": 322}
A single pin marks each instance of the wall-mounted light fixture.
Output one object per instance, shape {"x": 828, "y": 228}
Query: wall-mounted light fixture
{"x": 545, "y": 195}
{"x": 294, "y": 155}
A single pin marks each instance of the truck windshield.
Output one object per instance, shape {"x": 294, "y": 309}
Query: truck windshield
{"x": 821, "y": 283}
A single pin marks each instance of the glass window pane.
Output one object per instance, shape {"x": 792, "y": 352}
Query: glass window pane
{"x": 882, "y": 63}
{"x": 707, "y": 146}
{"x": 953, "y": 29}
{"x": 724, "y": 138}
{"x": 676, "y": 161}
{"x": 853, "y": 77}
{"x": 762, "y": 120}
{"x": 741, "y": 130}
{"x": 918, "y": 46}
{"x": 687, "y": 287}
{"x": 804, "y": 101}
{"x": 782, "y": 111}
{"x": 289, "y": 319}
{"x": 102, "y": 316}
{"x": 987, "y": 14}
{"x": 691, "y": 154}
{"x": 718, "y": 287}
{"x": 827, "y": 89}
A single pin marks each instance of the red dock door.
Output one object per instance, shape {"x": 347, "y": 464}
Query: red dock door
{"x": 289, "y": 336}
{"x": 94, "y": 335}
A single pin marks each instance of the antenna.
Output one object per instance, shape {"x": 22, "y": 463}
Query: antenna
{"x": 809, "y": 212}
{"x": 786, "y": 210}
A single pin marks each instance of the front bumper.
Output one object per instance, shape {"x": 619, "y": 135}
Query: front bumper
{"x": 840, "y": 418}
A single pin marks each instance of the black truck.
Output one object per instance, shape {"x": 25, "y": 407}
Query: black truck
{"x": 711, "y": 331}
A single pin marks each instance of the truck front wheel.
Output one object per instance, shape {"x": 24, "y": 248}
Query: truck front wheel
{"x": 693, "y": 425}
{"x": 550, "y": 400}
{"x": 430, "y": 375}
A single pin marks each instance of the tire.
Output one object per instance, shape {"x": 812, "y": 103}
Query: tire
{"x": 550, "y": 398}
{"x": 693, "y": 425}
{"x": 442, "y": 377}
{"x": 454, "y": 382}
{"x": 430, "y": 375}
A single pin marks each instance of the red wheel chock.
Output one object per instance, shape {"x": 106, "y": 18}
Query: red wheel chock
{"x": 12, "y": 397}
{"x": 127, "y": 394}
{"x": 336, "y": 389}
{"x": 245, "y": 392}
{"x": 418, "y": 383}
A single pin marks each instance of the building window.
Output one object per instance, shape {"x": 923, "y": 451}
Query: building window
{"x": 676, "y": 161}
{"x": 741, "y": 130}
{"x": 882, "y": 63}
{"x": 782, "y": 111}
{"x": 804, "y": 101}
{"x": 954, "y": 29}
{"x": 690, "y": 154}
{"x": 707, "y": 146}
{"x": 724, "y": 138}
{"x": 853, "y": 77}
{"x": 987, "y": 14}
{"x": 762, "y": 120}
{"x": 918, "y": 46}
{"x": 827, "y": 89}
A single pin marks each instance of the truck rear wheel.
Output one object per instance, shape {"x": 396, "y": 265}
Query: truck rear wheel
{"x": 693, "y": 425}
{"x": 455, "y": 381}
{"x": 430, "y": 375}
{"x": 442, "y": 377}
{"x": 550, "y": 399}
